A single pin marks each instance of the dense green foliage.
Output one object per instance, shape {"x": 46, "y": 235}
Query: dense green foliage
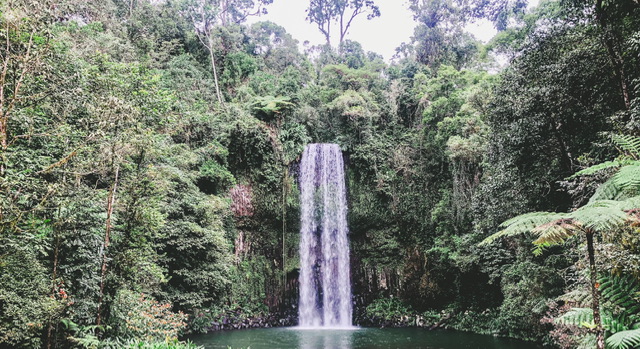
{"x": 149, "y": 153}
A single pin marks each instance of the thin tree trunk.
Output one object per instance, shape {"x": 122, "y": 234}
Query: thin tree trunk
{"x": 206, "y": 39}
{"x": 618, "y": 63}
{"x": 4, "y": 115}
{"x": 284, "y": 230}
{"x": 342, "y": 30}
{"x": 131, "y": 7}
{"x": 6, "y": 106}
{"x": 215, "y": 71}
{"x": 565, "y": 155}
{"x": 53, "y": 288}
{"x": 595, "y": 305}
{"x": 617, "y": 60}
{"x": 107, "y": 237}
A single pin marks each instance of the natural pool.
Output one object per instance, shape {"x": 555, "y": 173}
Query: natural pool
{"x": 359, "y": 338}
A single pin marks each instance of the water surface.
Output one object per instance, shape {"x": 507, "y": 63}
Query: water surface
{"x": 359, "y": 338}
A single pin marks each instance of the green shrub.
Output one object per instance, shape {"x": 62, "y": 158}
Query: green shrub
{"x": 26, "y": 304}
{"x": 202, "y": 320}
{"x": 140, "y": 317}
{"x": 173, "y": 344}
{"x": 388, "y": 309}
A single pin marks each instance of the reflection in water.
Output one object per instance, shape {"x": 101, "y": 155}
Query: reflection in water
{"x": 325, "y": 339}
{"x": 357, "y": 338}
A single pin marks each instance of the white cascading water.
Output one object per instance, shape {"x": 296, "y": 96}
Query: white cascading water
{"x": 325, "y": 282}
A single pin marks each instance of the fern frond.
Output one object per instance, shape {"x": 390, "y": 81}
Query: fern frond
{"x": 601, "y": 215}
{"x": 624, "y": 340}
{"x": 586, "y": 341}
{"x": 628, "y": 144}
{"x": 620, "y": 291}
{"x": 616, "y": 323}
{"x": 521, "y": 224}
{"x": 596, "y": 168}
{"x": 605, "y": 191}
{"x": 538, "y": 249}
{"x": 530, "y": 220}
{"x": 630, "y": 203}
{"x": 628, "y": 179}
{"x": 580, "y": 297}
{"x": 555, "y": 232}
{"x": 576, "y": 317}
{"x": 625, "y": 183}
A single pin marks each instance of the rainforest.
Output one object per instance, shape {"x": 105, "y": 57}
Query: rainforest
{"x": 150, "y": 170}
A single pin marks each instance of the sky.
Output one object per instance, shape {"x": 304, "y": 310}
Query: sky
{"x": 381, "y": 35}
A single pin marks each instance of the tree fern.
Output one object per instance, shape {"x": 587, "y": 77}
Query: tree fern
{"x": 577, "y": 317}
{"x": 630, "y": 145}
{"x": 615, "y": 323}
{"x": 583, "y": 317}
{"x": 601, "y": 216}
{"x": 624, "y": 340}
{"x": 630, "y": 203}
{"x": 630, "y": 153}
{"x": 623, "y": 310}
{"x": 621, "y": 292}
{"x": 579, "y": 297}
{"x": 554, "y": 228}
{"x": 626, "y": 182}
{"x": 522, "y": 224}
{"x": 615, "y": 203}
{"x": 589, "y": 171}
{"x": 555, "y": 232}
{"x": 619, "y": 316}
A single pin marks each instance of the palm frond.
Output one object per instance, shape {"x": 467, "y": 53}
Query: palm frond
{"x": 521, "y": 224}
{"x": 628, "y": 144}
{"x": 624, "y": 340}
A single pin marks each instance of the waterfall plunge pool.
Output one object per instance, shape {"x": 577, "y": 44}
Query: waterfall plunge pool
{"x": 354, "y": 338}
{"x": 325, "y": 308}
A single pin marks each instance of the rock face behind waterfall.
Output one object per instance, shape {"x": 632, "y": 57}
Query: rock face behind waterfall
{"x": 325, "y": 284}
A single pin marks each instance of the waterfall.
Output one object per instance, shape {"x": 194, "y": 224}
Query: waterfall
{"x": 325, "y": 283}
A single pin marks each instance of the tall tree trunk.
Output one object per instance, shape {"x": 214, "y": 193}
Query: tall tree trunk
{"x": 284, "y": 230}
{"x": 107, "y": 237}
{"x": 342, "y": 30}
{"x": 609, "y": 40}
{"x": 4, "y": 114}
{"x": 8, "y": 103}
{"x": 327, "y": 34}
{"x": 53, "y": 287}
{"x": 595, "y": 304}
{"x": 214, "y": 69}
